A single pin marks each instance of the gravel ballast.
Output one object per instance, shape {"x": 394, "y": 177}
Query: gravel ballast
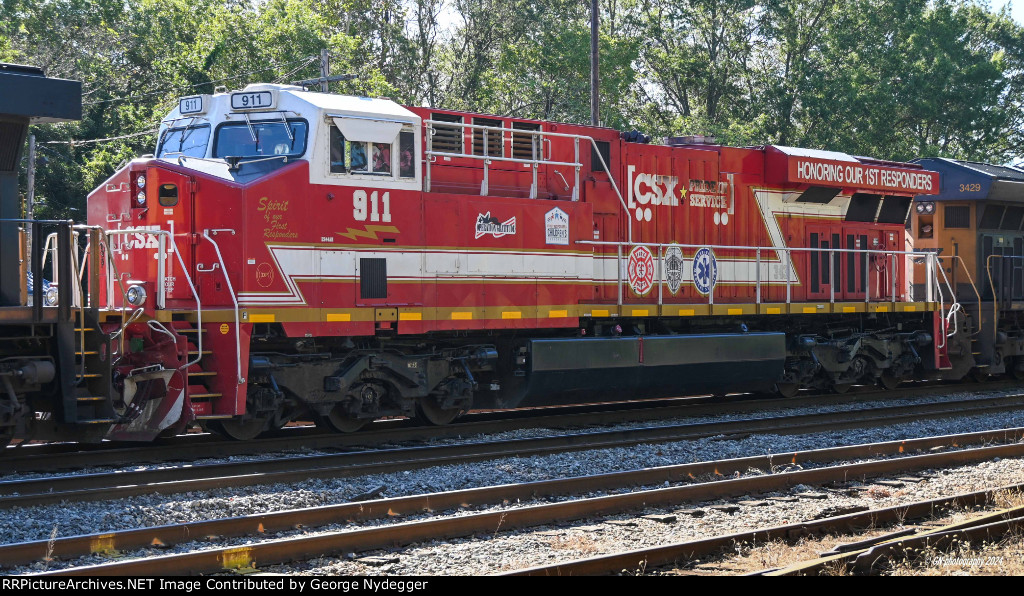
{"x": 516, "y": 550}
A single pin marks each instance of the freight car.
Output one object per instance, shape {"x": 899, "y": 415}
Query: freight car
{"x": 288, "y": 254}
{"x": 40, "y": 372}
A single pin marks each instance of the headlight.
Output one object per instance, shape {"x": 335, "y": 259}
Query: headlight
{"x": 51, "y": 296}
{"x": 925, "y": 207}
{"x": 141, "y": 197}
{"x": 141, "y": 181}
{"x": 136, "y": 295}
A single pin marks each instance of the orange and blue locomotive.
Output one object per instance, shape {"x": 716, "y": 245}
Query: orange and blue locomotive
{"x": 974, "y": 230}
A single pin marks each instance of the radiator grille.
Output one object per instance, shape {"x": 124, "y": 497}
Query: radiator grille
{"x": 958, "y": 216}
{"x": 373, "y": 278}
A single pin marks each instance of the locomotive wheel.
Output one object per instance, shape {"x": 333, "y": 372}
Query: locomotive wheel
{"x": 241, "y": 430}
{"x": 340, "y": 422}
{"x": 888, "y": 381}
{"x": 978, "y": 375}
{"x": 429, "y": 410}
{"x": 841, "y": 388}
{"x": 787, "y": 389}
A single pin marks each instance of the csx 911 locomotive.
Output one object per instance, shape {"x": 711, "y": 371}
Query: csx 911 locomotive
{"x": 288, "y": 254}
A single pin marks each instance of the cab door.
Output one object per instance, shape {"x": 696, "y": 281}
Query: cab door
{"x": 171, "y": 209}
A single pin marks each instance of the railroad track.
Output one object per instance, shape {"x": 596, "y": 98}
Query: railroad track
{"x": 64, "y": 456}
{"x": 858, "y": 557}
{"x": 112, "y": 485}
{"x": 273, "y": 551}
{"x": 868, "y": 556}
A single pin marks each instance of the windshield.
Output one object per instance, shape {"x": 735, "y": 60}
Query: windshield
{"x": 189, "y": 141}
{"x": 236, "y": 139}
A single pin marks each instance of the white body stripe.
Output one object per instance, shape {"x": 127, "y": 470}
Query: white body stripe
{"x": 327, "y": 264}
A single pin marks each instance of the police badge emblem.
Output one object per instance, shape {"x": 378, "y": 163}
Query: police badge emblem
{"x": 674, "y": 268}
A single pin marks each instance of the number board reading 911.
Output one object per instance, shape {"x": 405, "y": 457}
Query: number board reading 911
{"x": 252, "y": 100}
{"x": 191, "y": 105}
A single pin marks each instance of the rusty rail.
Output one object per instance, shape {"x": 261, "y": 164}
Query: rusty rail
{"x": 675, "y": 554}
{"x": 328, "y": 544}
{"x": 111, "y": 485}
{"x": 53, "y": 457}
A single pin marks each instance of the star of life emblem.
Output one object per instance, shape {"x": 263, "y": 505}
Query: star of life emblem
{"x": 705, "y": 270}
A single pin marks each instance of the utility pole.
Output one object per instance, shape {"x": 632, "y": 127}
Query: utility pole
{"x": 30, "y": 196}
{"x": 325, "y": 69}
{"x": 593, "y": 64}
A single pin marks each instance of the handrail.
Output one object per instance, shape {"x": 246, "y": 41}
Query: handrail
{"x": 789, "y": 266}
{"x": 113, "y": 274}
{"x": 954, "y": 306}
{"x": 992, "y": 286}
{"x": 234, "y": 299}
{"x": 953, "y": 294}
{"x": 163, "y": 236}
{"x": 543, "y": 135}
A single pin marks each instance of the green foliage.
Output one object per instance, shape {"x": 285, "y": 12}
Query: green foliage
{"x": 894, "y": 79}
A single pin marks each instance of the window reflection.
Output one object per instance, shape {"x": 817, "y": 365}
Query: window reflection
{"x": 189, "y": 141}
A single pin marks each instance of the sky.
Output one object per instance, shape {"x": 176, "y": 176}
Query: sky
{"x": 1017, "y": 11}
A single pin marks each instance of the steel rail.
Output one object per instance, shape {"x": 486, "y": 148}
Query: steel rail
{"x": 674, "y": 554}
{"x": 112, "y": 485}
{"x": 41, "y": 458}
{"x": 988, "y": 526}
{"x": 276, "y": 551}
{"x": 76, "y": 546}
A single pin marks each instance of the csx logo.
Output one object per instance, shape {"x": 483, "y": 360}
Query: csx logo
{"x": 650, "y": 190}
{"x": 140, "y": 240}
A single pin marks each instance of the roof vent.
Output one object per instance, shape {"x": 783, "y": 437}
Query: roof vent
{"x": 635, "y": 136}
{"x": 691, "y": 140}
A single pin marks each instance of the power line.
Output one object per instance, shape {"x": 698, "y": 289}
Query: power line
{"x": 90, "y": 141}
{"x": 244, "y": 74}
{"x": 284, "y": 78}
{"x": 304, "y": 63}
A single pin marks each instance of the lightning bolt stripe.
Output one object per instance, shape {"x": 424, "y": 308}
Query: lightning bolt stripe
{"x": 369, "y": 232}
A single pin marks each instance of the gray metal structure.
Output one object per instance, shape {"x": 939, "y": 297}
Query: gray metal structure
{"x": 27, "y": 96}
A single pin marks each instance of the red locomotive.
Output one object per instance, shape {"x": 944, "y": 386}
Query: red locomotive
{"x": 290, "y": 254}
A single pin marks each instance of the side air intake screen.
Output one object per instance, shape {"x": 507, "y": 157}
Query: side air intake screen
{"x": 373, "y": 278}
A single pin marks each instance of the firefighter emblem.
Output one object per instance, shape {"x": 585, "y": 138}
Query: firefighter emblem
{"x": 640, "y": 270}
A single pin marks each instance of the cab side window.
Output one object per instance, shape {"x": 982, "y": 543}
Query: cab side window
{"x": 337, "y": 152}
{"x": 406, "y": 155}
{"x": 382, "y": 158}
{"x": 359, "y": 148}
{"x": 356, "y": 153}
